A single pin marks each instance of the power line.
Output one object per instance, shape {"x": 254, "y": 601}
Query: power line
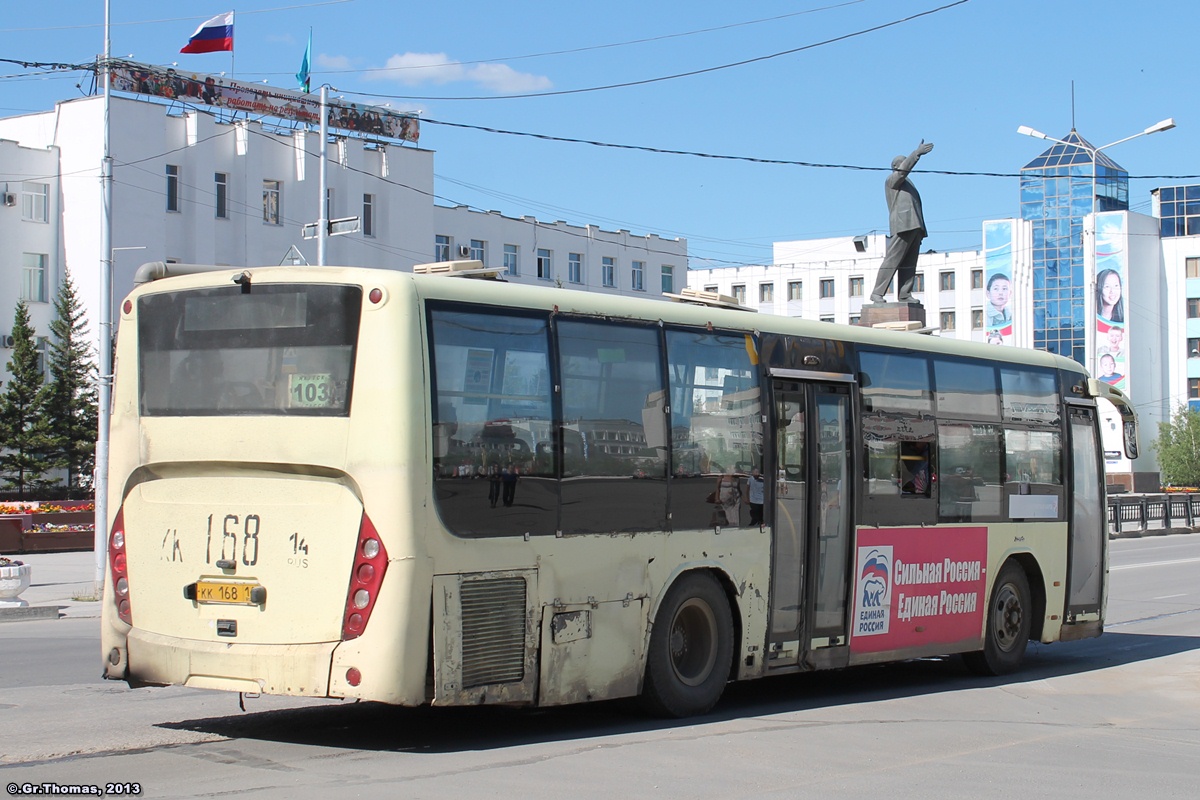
{"x": 586, "y": 48}
{"x": 85, "y": 26}
{"x": 687, "y": 74}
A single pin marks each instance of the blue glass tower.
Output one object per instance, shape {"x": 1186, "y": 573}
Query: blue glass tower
{"x": 1058, "y": 189}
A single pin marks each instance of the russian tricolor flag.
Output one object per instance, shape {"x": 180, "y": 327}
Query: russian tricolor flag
{"x": 213, "y": 36}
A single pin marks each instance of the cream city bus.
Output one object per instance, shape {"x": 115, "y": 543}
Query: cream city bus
{"x": 433, "y": 489}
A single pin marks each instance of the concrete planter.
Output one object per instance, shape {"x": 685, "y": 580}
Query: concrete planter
{"x": 14, "y": 580}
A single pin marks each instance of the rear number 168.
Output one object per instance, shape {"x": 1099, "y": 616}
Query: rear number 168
{"x": 234, "y": 528}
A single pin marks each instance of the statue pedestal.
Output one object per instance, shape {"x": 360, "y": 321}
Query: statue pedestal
{"x": 899, "y": 316}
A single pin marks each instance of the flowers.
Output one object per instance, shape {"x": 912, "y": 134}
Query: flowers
{"x": 5, "y": 561}
{"x": 44, "y": 508}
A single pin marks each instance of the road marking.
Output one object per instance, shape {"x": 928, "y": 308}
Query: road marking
{"x": 1155, "y": 564}
{"x": 1170, "y": 596}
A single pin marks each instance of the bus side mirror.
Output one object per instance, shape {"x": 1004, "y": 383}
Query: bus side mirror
{"x": 1130, "y": 430}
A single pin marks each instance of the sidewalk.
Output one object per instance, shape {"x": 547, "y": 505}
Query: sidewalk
{"x": 57, "y": 579}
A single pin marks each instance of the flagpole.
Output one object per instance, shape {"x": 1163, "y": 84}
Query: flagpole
{"x": 322, "y": 215}
{"x": 233, "y": 49}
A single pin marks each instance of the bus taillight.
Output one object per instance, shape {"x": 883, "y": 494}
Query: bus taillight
{"x": 119, "y": 566}
{"x": 370, "y": 563}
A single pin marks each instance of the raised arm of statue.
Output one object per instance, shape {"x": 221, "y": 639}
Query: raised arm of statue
{"x": 904, "y": 165}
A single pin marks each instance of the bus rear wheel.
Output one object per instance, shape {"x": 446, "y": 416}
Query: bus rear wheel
{"x": 1007, "y": 626}
{"x": 691, "y": 648}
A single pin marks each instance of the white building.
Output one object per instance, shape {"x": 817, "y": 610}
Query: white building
{"x": 532, "y": 251}
{"x": 195, "y": 187}
{"x": 30, "y": 234}
{"x": 830, "y": 279}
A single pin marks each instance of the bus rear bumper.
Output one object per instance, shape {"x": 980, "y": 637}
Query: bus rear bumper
{"x": 298, "y": 670}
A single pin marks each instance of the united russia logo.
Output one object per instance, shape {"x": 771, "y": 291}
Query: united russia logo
{"x": 873, "y": 597}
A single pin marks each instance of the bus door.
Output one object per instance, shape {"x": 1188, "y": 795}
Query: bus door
{"x": 811, "y": 521}
{"x": 1088, "y": 526}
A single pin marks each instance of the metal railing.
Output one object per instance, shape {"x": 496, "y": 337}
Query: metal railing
{"x": 1144, "y": 512}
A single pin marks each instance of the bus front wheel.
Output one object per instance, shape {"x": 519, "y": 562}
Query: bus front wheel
{"x": 1008, "y": 622}
{"x": 691, "y": 648}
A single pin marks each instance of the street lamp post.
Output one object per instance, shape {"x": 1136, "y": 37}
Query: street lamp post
{"x": 104, "y": 407}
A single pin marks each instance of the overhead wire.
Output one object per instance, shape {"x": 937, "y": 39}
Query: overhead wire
{"x": 689, "y": 73}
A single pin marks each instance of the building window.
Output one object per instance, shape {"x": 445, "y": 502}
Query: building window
{"x": 948, "y": 320}
{"x": 668, "y": 278}
{"x": 35, "y": 201}
{"x": 1193, "y": 308}
{"x": 1192, "y": 265}
{"x": 1194, "y": 388}
{"x": 976, "y": 319}
{"x": 272, "y": 200}
{"x": 946, "y": 281}
{"x": 739, "y": 293}
{"x": 639, "y": 276}
{"x": 608, "y": 271}
{"x": 479, "y": 251}
{"x": 41, "y": 348}
{"x": 575, "y": 267}
{"x": 511, "y": 259}
{"x": 172, "y": 187}
{"x": 221, "y": 190}
{"x": 543, "y": 264}
{"x": 710, "y": 288}
{"x": 827, "y": 289}
{"x": 919, "y": 283}
{"x": 1193, "y": 348}
{"x": 826, "y": 319}
{"x": 33, "y": 277}
{"x": 368, "y": 215}
{"x": 855, "y": 319}
{"x": 766, "y": 293}
{"x": 795, "y": 290}
{"x": 441, "y": 247}
{"x": 976, "y": 279}
{"x": 856, "y": 287}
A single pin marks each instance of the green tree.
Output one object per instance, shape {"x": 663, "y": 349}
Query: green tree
{"x": 23, "y": 424}
{"x": 71, "y": 394}
{"x": 1178, "y": 447}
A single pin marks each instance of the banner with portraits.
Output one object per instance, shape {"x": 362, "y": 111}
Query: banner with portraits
{"x": 998, "y": 281}
{"x": 1112, "y": 307}
{"x": 256, "y": 98}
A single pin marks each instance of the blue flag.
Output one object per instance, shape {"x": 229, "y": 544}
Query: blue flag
{"x": 303, "y": 75}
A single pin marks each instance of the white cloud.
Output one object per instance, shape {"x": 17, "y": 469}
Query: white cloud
{"x": 333, "y": 62}
{"x": 416, "y": 69}
{"x": 504, "y": 79}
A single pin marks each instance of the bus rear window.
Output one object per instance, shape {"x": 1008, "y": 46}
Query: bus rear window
{"x": 276, "y": 349}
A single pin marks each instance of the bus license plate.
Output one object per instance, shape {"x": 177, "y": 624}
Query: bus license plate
{"x": 225, "y": 592}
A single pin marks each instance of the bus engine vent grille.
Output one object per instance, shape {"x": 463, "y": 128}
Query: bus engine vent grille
{"x": 493, "y": 631}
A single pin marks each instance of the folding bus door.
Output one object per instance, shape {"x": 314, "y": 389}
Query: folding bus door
{"x": 811, "y": 521}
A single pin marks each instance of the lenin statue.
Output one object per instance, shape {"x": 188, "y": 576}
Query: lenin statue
{"x": 907, "y": 228}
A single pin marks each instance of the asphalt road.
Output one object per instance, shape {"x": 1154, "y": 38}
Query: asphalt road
{"x": 1110, "y": 717}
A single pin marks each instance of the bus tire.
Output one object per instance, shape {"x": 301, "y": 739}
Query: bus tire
{"x": 691, "y": 648}
{"x": 1007, "y": 625}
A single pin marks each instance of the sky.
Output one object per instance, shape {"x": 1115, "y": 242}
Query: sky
{"x": 844, "y": 83}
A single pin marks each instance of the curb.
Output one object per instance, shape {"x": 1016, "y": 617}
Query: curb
{"x": 27, "y": 613}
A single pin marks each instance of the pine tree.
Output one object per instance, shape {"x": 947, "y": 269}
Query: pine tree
{"x": 23, "y": 423}
{"x": 71, "y": 394}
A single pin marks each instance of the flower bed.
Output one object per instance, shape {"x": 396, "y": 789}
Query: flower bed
{"x": 46, "y": 527}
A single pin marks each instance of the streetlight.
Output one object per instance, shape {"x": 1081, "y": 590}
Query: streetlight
{"x": 104, "y": 409}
